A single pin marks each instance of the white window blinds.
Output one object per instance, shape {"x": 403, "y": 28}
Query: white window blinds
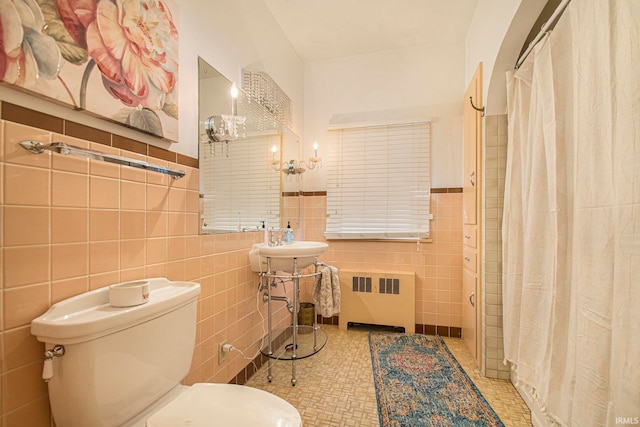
{"x": 378, "y": 182}
{"x": 240, "y": 187}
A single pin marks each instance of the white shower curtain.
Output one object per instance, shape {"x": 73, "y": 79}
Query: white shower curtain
{"x": 571, "y": 228}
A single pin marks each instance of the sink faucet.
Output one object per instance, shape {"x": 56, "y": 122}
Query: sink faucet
{"x": 272, "y": 237}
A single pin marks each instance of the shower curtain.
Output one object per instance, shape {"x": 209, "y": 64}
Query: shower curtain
{"x": 571, "y": 227}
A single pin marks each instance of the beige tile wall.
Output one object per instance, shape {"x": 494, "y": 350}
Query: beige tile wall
{"x": 495, "y": 161}
{"x": 437, "y": 265}
{"x": 290, "y": 211}
{"x": 69, "y": 225}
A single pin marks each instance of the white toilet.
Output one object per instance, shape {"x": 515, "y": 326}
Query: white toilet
{"x": 123, "y": 366}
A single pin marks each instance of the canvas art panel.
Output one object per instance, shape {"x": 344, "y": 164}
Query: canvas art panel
{"x": 116, "y": 59}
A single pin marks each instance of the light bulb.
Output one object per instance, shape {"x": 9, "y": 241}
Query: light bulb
{"x": 234, "y": 91}
{"x": 274, "y": 149}
{"x": 315, "y": 149}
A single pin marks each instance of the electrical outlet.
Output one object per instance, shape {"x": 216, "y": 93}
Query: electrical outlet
{"x": 222, "y": 355}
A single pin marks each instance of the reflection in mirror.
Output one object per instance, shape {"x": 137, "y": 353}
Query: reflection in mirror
{"x": 239, "y": 188}
{"x": 291, "y": 200}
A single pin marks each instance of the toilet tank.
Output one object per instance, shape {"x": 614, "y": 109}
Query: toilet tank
{"x": 117, "y": 361}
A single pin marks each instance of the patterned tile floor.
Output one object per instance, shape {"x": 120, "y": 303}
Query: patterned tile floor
{"x": 335, "y": 387}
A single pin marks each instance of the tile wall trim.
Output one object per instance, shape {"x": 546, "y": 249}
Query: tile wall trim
{"x": 25, "y": 116}
{"x": 443, "y": 331}
{"x": 446, "y": 190}
{"x": 324, "y": 193}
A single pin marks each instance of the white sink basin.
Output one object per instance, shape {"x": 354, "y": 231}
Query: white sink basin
{"x": 282, "y": 256}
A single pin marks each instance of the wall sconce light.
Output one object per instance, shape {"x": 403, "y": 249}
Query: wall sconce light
{"x": 294, "y": 167}
{"x": 226, "y": 127}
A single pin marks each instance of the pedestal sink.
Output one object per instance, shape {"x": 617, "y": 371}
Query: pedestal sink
{"x": 285, "y": 262}
{"x": 282, "y": 256}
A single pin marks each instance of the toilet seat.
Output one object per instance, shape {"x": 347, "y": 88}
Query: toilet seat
{"x": 208, "y": 404}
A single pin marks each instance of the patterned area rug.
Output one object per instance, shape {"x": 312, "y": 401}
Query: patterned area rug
{"x": 419, "y": 383}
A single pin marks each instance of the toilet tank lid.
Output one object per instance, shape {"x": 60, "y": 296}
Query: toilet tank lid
{"x": 89, "y": 316}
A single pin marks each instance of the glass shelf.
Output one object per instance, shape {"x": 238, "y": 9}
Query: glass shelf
{"x": 282, "y": 348}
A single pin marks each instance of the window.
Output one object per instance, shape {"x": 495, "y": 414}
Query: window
{"x": 378, "y": 182}
{"x": 239, "y": 185}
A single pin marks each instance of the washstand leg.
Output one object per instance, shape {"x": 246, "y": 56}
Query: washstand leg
{"x": 296, "y": 309}
{"x": 270, "y": 337}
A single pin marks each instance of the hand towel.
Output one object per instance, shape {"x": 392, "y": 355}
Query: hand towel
{"x": 326, "y": 292}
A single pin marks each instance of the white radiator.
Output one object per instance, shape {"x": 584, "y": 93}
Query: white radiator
{"x": 385, "y": 298}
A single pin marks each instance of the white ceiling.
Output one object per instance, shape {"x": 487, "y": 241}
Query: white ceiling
{"x": 327, "y": 29}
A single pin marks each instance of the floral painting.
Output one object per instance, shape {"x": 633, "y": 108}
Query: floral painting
{"x": 116, "y": 59}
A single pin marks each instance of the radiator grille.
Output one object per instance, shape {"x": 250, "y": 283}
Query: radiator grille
{"x": 361, "y": 284}
{"x": 389, "y": 286}
{"x": 390, "y": 303}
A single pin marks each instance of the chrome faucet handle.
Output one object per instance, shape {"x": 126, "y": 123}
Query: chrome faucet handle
{"x": 276, "y": 232}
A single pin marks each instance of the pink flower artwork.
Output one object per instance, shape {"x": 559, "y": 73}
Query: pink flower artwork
{"x": 116, "y": 59}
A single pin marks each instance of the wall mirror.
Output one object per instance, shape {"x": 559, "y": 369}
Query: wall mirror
{"x": 239, "y": 188}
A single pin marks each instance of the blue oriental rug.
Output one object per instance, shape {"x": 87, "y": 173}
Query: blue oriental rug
{"x": 419, "y": 383}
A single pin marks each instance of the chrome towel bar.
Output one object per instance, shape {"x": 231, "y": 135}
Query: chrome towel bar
{"x": 66, "y": 149}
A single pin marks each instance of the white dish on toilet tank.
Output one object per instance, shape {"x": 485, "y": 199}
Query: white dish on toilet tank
{"x": 128, "y": 294}
{"x": 123, "y": 365}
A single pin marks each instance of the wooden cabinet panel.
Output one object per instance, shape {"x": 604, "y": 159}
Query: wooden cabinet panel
{"x": 469, "y": 256}
{"x": 472, "y": 219}
{"x": 469, "y": 330}
{"x": 469, "y": 236}
{"x": 472, "y": 150}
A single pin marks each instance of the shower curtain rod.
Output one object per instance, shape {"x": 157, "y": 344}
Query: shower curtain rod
{"x": 545, "y": 28}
